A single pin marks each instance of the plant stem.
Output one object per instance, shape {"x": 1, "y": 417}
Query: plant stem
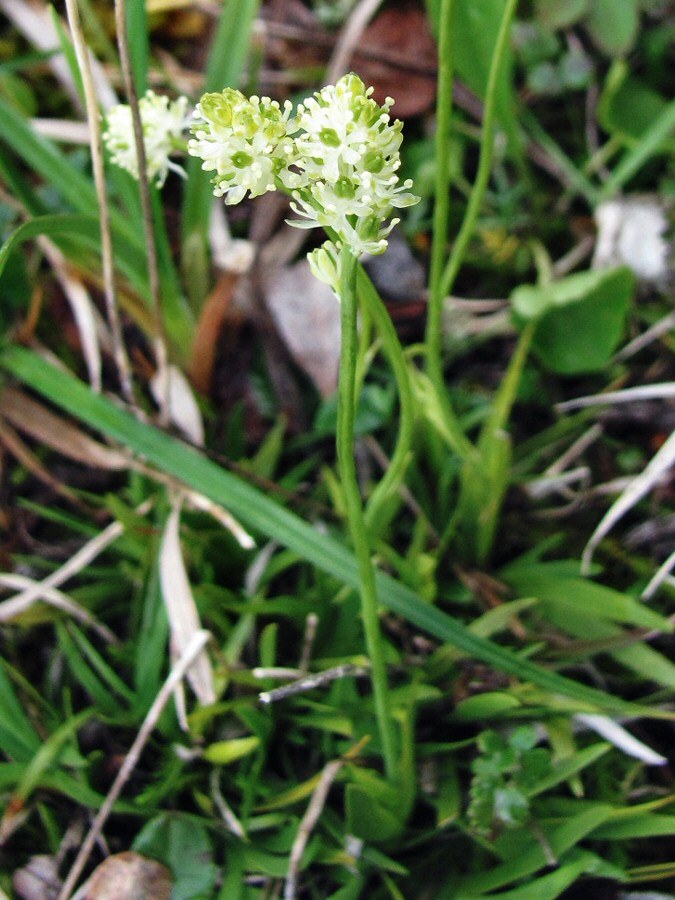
{"x": 376, "y": 519}
{"x": 159, "y": 332}
{"x": 107, "y": 259}
{"x": 354, "y": 507}
{"x": 441, "y": 196}
{"x": 485, "y": 155}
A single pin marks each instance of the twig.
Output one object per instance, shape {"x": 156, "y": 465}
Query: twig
{"x": 319, "y": 679}
{"x": 662, "y": 391}
{"x": 86, "y": 554}
{"x": 574, "y": 451}
{"x": 311, "y": 624}
{"x": 191, "y": 652}
{"x": 96, "y": 146}
{"x": 661, "y": 575}
{"x": 309, "y": 820}
{"x": 663, "y": 326}
{"x": 159, "y": 337}
{"x": 223, "y": 806}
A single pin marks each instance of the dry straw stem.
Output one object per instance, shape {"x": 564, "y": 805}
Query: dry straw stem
{"x": 182, "y": 666}
{"x": 636, "y": 490}
{"x": 349, "y": 37}
{"x": 96, "y": 146}
{"x": 309, "y": 820}
{"x": 55, "y": 598}
{"x": 86, "y": 554}
{"x": 159, "y": 336}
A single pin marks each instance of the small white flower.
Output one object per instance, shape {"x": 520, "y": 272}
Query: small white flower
{"x": 163, "y": 123}
{"x": 240, "y": 139}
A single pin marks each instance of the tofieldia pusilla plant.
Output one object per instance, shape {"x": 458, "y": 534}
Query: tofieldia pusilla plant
{"x": 338, "y": 159}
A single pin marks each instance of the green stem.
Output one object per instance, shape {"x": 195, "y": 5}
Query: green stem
{"x": 485, "y": 155}
{"x": 441, "y": 197}
{"x": 392, "y": 478}
{"x": 354, "y": 507}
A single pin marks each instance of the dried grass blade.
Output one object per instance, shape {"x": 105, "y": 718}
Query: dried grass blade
{"x": 59, "y": 434}
{"x": 645, "y": 481}
{"x": 10, "y": 609}
{"x": 27, "y": 458}
{"x": 614, "y": 733}
{"x": 180, "y": 403}
{"x": 83, "y": 309}
{"x": 180, "y": 606}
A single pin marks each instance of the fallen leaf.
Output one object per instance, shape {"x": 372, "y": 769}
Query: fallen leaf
{"x": 129, "y": 876}
{"x": 397, "y": 56}
{"x": 307, "y": 316}
{"x": 38, "y": 879}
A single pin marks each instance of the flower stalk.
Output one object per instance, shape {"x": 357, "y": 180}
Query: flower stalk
{"x": 354, "y": 507}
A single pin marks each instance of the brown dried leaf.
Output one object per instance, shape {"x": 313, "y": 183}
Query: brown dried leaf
{"x": 307, "y": 316}
{"x": 129, "y": 876}
{"x": 397, "y": 56}
{"x": 205, "y": 343}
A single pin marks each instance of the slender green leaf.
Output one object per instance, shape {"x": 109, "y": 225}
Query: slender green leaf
{"x": 139, "y": 46}
{"x": 519, "y": 865}
{"x": 18, "y": 738}
{"x": 645, "y": 826}
{"x": 48, "y": 755}
{"x": 70, "y": 228}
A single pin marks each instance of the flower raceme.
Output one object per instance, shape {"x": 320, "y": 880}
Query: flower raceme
{"x": 347, "y": 157}
{"x": 163, "y": 121}
{"x": 243, "y": 140}
{"x": 338, "y": 157}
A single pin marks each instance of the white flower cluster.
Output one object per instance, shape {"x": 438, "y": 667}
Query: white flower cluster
{"x": 347, "y": 157}
{"x": 163, "y": 124}
{"x": 339, "y": 157}
{"x": 242, "y": 140}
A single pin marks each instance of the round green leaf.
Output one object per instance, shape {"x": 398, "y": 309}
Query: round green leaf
{"x": 613, "y": 24}
{"x": 580, "y": 319}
